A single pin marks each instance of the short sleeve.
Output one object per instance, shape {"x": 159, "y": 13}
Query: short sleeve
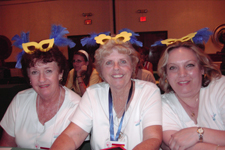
{"x": 8, "y": 120}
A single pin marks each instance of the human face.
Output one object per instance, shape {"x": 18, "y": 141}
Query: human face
{"x": 117, "y": 70}
{"x": 45, "y": 78}
{"x": 78, "y": 61}
{"x": 184, "y": 73}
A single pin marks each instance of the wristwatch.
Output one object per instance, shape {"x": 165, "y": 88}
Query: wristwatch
{"x": 200, "y": 132}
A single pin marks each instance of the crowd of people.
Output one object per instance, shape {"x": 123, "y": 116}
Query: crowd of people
{"x": 115, "y": 99}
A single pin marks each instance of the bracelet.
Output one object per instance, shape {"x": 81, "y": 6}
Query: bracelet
{"x": 80, "y": 82}
{"x": 217, "y": 147}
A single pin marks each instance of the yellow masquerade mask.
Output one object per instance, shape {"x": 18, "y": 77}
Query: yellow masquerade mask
{"x": 44, "y": 46}
{"x": 119, "y": 38}
{"x": 183, "y": 39}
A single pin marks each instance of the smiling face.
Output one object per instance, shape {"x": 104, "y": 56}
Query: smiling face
{"x": 183, "y": 72}
{"x": 78, "y": 61}
{"x": 45, "y": 78}
{"x": 117, "y": 70}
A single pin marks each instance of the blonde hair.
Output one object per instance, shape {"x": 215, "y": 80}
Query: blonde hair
{"x": 107, "y": 48}
{"x": 210, "y": 69}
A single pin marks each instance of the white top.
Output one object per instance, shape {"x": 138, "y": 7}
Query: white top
{"x": 211, "y": 113}
{"x": 92, "y": 113}
{"x": 21, "y": 120}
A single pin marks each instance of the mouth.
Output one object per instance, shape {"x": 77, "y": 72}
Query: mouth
{"x": 43, "y": 86}
{"x": 117, "y": 76}
{"x": 183, "y": 82}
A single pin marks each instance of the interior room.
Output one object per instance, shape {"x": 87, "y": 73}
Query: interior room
{"x": 152, "y": 19}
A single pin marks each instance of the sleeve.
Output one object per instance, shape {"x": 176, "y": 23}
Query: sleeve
{"x": 69, "y": 82}
{"x": 169, "y": 118}
{"x": 8, "y": 121}
{"x": 220, "y": 97}
{"x": 152, "y": 110}
{"x": 94, "y": 78}
{"x": 83, "y": 114}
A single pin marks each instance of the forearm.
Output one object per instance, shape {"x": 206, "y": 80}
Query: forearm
{"x": 63, "y": 142}
{"x": 149, "y": 144}
{"x": 204, "y": 146}
{"x": 214, "y": 136}
{"x": 81, "y": 85}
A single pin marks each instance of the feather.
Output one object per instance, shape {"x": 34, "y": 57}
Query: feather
{"x": 58, "y": 33}
{"x": 202, "y": 36}
{"x": 133, "y": 39}
{"x": 89, "y": 41}
{"x": 19, "y": 40}
{"x": 157, "y": 43}
{"x": 19, "y": 57}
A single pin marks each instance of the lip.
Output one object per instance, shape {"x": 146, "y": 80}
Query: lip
{"x": 44, "y": 86}
{"x": 117, "y": 76}
{"x": 183, "y": 82}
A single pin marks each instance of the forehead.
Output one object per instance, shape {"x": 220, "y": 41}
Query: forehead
{"x": 181, "y": 54}
{"x": 76, "y": 56}
{"x": 41, "y": 64}
{"x": 115, "y": 54}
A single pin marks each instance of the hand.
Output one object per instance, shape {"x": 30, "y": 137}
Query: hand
{"x": 184, "y": 138}
{"x": 82, "y": 69}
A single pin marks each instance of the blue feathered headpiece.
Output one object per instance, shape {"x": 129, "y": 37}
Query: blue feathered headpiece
{"x": 56, "y": 38}
{"x": 101, "y": 38}
{"x": 199, "y": 37}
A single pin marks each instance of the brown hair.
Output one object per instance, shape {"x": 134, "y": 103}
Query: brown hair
{"x": 54, "y": 54}
{"x": 210, "y": 69}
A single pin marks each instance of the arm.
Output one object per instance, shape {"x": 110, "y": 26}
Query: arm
{"x": 71, "y": 138}
{"x": 188, "y": 138}
{"x": 7, "y": 140}
{"x": 69, "y": 82}
{"x": 152, "y": 138}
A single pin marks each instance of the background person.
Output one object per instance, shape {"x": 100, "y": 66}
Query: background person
{"x": 135, "y": 103}
{"x": 83, "y": 73}
{"x": 193, "y": 103}
{"x": 36, "y": 116}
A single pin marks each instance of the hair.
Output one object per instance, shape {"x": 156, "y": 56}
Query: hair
{"x": 87, "y": 73}
{"x": 210, "y": 69}
{"x": 54, "y": 54}
{"x": 107, "y": 48}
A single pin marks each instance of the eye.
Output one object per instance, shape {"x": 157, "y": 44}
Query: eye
{"x": 172, "y": 68}
{"x": 108, "y": 62}
{"x": 190, "y": 65}
{"x": 48, "y": 71}
{"x": 34, "y": 72}
{"x": 123, "y": 61}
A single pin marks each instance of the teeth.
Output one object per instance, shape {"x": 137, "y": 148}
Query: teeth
{"x": 184, "y": 82}
{"x": 117, "y": 76}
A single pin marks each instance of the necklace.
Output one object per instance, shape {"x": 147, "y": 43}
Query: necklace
{"x": 37, "y": 146}
{"x": 189, "y": 108}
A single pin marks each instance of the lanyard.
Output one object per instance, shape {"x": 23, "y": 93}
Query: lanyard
{"x": 112, "y": 138}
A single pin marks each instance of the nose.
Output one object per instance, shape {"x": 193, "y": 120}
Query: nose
{"x": 41, "y": 77}
{"x": 116, "y": 66}
{"x": 182, "y": 72}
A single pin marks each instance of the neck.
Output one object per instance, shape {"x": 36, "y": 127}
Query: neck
{"x": 190, "y": 101}
{"x": 46, "y": 101}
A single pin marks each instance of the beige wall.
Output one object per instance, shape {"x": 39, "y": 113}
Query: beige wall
{"x": 178, "y": 17}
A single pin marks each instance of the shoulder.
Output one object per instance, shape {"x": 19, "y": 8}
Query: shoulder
{"x": 71, "y": 95}
{"x": 141, "y": 84}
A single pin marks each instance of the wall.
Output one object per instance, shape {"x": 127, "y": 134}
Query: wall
{"x": 178, "y": 17}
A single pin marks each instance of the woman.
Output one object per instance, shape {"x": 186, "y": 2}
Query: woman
{"x": 135, "y": 103}
{"x": 83, "y": 74}
{"x": 193, "y": 103}
{"x": 36, "y": 116}
{"x": 146, "y": 64}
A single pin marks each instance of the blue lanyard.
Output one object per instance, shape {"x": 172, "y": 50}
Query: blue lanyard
{"x": 111, "y": 116}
